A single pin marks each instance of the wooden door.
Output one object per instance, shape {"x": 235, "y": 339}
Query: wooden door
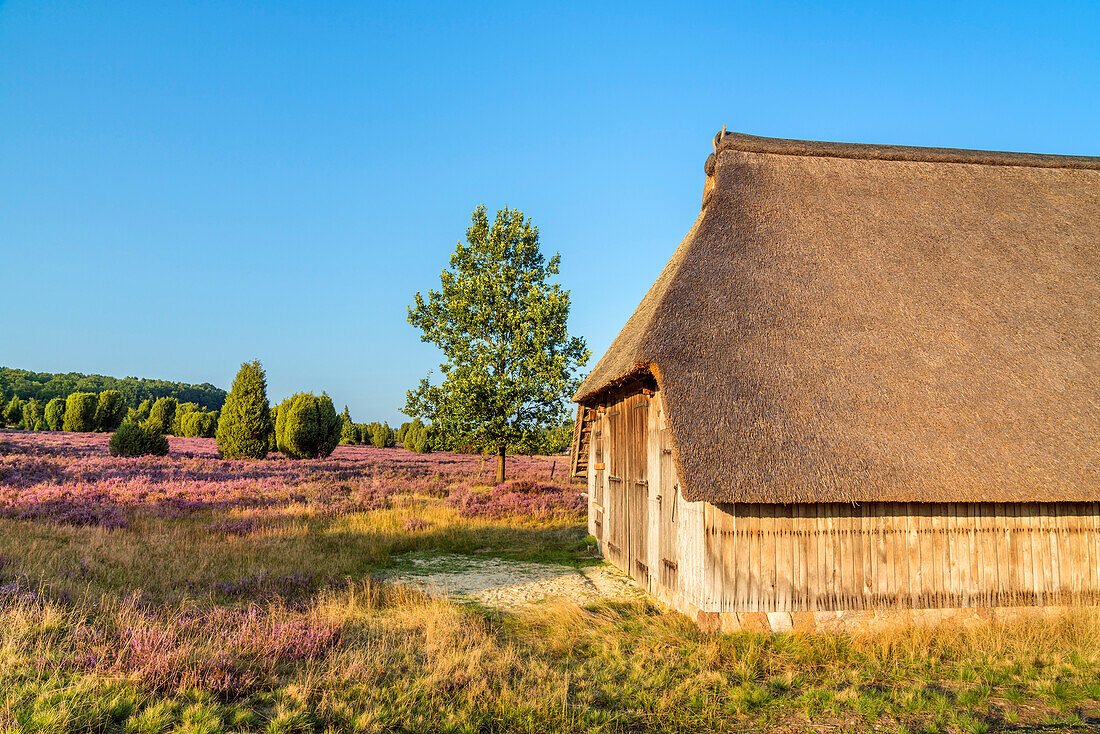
{"x": 636, "y": 409}
{"x": 668, "y": 498}
{"x": 599, "y": 474}
{"x": 616, "y": 516}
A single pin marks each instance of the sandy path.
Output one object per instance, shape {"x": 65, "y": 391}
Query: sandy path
{"x": 503, "y": 583}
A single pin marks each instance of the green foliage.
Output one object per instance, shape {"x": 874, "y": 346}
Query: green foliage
{"x": 110, "y": 410}
{"x": 141, "y": 413}
{"x": 400, "y": 435}
{"x": 199, "y": 424}
{"x": 13, "y": 413}
{"x": 272, "y": 442}
{"x": 32, "y": 413}
{"x": 162, "y": 415}
{"x": 418, "y": 438}
{"x": 41, "y": 425}
{"x": 182, "y": 411}
{"x": 132, "y": 439}
{"x": 381, "y": 436}
{"x": 46, "y": 386}
{"x": 547, "y": 441}
{"x": 80, "y": 410}
{"x": 245, "y": 421}
{"x": 364, "y": 433}
{"x": 349, "y": 432}
{"x": 308, "y": 427}
{"x": 55, "y": 414}
{"x": 501, "y": 325}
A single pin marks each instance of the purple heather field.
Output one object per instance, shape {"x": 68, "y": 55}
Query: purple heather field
{"x": 70, "y": 478}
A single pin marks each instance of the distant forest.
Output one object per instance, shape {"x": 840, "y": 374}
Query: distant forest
{"x": 44, "y": 386}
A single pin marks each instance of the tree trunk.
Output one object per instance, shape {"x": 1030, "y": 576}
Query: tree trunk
{"x": 500, "y": 465}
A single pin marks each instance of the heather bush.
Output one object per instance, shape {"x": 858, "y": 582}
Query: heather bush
{"x": 13, "y": 413}
{"x": 32, "y": 413}
{"x": 55, "y": 414}
{"x": 245, "y": 422}
{"x": 110, "y": 410}
{"x": 80, "y": 410}
{"x": 308, "y": 427}
{"x": 162, "y": 415}
{"x": 199, "y": 424}
{"x": 132, "y": 439}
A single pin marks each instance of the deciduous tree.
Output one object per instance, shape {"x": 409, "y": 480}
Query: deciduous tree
{"x": 500, "y": 322}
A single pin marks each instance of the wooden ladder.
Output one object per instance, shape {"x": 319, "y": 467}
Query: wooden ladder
{"x": 582, "y": 438}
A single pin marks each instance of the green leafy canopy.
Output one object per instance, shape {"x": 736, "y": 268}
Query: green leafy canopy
{"x": 500, "y": 322}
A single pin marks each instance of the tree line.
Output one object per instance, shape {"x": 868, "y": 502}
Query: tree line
{"x": 45, "y": 386}
{"x": 105, "y": 412}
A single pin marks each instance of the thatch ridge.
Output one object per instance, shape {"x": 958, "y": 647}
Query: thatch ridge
{"x": 783, "y": 146}
{"x": 861, "y": 328}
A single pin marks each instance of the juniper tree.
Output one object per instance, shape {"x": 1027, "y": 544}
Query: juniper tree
{"x": 349, "y": 434}
{"x": 55, "y": 414}
{"x": 162, "y": 415}
{"x": 32, "y": 413}
{"x": 13, "y": 413}
{"x": 245, "y": 421}
{"x": 308, "y": 426}
{"x": 110, "y": 410}
{"x": 501, "y": 325}
{"x": 80, "y": 412}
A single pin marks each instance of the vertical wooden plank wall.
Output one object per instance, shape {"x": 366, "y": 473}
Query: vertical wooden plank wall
{"x": 890, "y": 555}
{"x": 822, "y": 557}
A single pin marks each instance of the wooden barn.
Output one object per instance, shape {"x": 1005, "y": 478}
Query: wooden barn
{"x": 866, "y": 385}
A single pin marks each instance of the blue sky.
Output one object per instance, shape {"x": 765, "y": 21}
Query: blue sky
{"x": 188, "y": 185}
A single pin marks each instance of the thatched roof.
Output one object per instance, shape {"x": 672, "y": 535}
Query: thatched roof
{"x": 861, "y": 323}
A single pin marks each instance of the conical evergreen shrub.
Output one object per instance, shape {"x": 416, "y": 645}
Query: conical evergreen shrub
{"x": 349, "y": 434}
{"x": 245, "y": 421}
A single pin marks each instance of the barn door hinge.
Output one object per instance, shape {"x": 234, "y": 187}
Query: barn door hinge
{"x": 669, "y": 564}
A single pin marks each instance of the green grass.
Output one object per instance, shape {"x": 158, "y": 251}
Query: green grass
{"x": 405, "y": 662}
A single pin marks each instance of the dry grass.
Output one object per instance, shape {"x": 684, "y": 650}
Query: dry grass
{"x": 282, "y": 626}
